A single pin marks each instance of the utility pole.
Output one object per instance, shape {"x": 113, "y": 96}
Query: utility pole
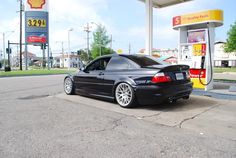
{"x": 8, "y": 53}
{"x": 129, "y": 48}
{"x": 69, "y": 51}
{"x": 62, "y": 51}
{"x": 111, "y": 43}
{"x": 21, "y": 34}
{"x": 51, "y": 58}
{"x": 4, "y": 49}
{"x": 43, "y": 45}
{"x": 87, "y": 29}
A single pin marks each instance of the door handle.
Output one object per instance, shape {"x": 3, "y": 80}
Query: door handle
{"x": 101, "y": 73}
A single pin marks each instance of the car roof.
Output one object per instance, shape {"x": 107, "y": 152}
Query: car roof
{"x": 124, "y": 55}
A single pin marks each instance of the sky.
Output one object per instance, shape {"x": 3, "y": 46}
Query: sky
{"x": 123, "y": 19}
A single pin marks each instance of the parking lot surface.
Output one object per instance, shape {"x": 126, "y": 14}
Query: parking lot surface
{"x": 38, "y": 120}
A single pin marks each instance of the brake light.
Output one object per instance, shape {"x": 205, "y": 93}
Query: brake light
{"x": 160, "y": 78}
{"x": 188, "y": 75}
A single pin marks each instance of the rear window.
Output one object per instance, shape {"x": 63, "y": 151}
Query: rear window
{"x": 120, "y": 63}
{"x": 143, "y": 61}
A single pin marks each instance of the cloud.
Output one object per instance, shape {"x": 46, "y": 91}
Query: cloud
{"x": 73, "y": 14}
{"x": 73, "y": 11}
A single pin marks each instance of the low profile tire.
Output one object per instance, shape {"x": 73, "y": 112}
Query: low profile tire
{"x": 186, "y": 97}
{"x": 124, "y": 95}
{"x": 69, "y": 86}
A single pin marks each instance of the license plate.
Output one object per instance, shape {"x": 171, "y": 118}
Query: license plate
{"x": 179, "y": 76}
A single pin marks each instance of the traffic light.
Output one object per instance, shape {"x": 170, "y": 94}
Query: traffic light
{"x": 79, "y": 52}
{"x": 43, "y": 46}
{"x": 8, "y": 50}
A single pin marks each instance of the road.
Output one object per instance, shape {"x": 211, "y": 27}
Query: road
{"x": 38, "y": 120}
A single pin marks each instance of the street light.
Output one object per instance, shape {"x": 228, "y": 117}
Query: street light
{"x": 71, "y": 29}
{"x": 62, "y": 51}
{"x": 3, "y": 46}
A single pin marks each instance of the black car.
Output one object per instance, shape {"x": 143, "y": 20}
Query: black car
{"x": 131, "y": 80}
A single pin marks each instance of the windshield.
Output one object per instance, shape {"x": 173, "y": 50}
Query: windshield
{"x": 144, "y": 61}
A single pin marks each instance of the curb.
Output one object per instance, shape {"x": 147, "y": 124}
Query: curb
{"x": 214, "y": 95}
{"x": 33, "y": 75}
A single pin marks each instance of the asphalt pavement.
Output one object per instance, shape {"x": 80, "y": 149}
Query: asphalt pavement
{"x": 38, "y": 120}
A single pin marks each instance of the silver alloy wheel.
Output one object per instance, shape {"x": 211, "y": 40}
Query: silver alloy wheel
{"x": 68, "y": 85}
{"x": 124, "y": 94}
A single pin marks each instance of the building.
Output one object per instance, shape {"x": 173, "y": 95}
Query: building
{"x": 56, "y": 62}
{"x": 223, "y": 59}
{"x": 73, "y": 61}
{"x": 171, "y": 55}
{"x": 169, "y": 59}
{"x": 31, "y": 59}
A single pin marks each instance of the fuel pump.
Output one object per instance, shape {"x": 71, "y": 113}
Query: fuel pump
{"x": 210, "y": 61}
{"x": 196, "y": 41}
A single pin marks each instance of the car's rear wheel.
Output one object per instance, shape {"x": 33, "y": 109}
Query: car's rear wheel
{"x": 68, "y": 86}
{"x": 124, "y": 94}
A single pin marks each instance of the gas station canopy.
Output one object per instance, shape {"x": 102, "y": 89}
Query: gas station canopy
{"x": 165, "y": 3}
{"x": 150, "y": 4}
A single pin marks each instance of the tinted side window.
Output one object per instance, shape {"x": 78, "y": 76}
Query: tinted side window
{"x": 100, "y": 64}
{"x": 144, "y": 60}
{"x": 119, "y": 63}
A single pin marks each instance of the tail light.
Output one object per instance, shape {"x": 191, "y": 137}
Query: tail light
{"x": 160, "y": 78}
{"x": 188, "y": 75}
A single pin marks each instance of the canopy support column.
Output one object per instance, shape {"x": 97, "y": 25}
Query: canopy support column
{"x": 149, "y": 27}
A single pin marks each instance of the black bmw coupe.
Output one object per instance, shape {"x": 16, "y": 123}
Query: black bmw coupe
{"x": 131, "y": 80}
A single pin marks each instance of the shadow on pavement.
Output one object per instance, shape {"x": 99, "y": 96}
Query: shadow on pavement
{"x": 181, "y": 105}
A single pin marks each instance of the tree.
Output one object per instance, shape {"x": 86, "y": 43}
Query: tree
{"x": 83, "y": 55}
{"x": 100, "y": 42}
{"x": 230, "y": 45}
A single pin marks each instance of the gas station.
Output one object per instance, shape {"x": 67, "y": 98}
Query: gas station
{"x": 39, "y": 120}
{"x": 196, "y": 44}
{"x": 196, "y": 40}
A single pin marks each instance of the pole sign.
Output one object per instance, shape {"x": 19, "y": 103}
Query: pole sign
{"x": 36, "y": 21}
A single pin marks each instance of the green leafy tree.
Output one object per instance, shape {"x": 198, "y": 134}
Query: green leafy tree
{"x": 84, "y": 55}
{"x": 100, "y": 42}
{"x": 230, "y": 45}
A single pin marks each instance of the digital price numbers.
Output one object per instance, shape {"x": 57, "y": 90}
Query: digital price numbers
{"x": 36, "y": 23}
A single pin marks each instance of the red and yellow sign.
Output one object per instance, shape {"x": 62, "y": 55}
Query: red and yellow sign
{"x": 194, "y": 75}
{"x": 200, "y": 17}
{"x": 36, "y": 4}
{"x": 36, "y": 39}
{"x": 199, "y": 49}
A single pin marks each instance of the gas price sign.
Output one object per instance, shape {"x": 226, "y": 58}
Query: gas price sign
{"x": 36, "y": 22}
{"x": 36, "y": 29}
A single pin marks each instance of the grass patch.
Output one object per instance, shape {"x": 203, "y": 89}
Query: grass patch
{"x": 36, "y": 72}
{"x": 220, "y": 70}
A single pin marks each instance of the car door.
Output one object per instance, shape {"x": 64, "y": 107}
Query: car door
{"x": 118, "y": 68}
{"x": 90, "y": 80}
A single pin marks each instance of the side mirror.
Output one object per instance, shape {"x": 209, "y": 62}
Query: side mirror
{"x": 82, "y": 69}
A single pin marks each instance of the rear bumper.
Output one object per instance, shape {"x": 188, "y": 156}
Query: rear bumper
{"x": 155, "y": 94}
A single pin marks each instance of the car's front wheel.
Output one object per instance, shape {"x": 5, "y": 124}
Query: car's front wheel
{"x": 124, "y": 94}
{"x": 68, "y": 86}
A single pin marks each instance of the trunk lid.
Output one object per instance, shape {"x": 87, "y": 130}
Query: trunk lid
{"x": 177, "y": 73}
